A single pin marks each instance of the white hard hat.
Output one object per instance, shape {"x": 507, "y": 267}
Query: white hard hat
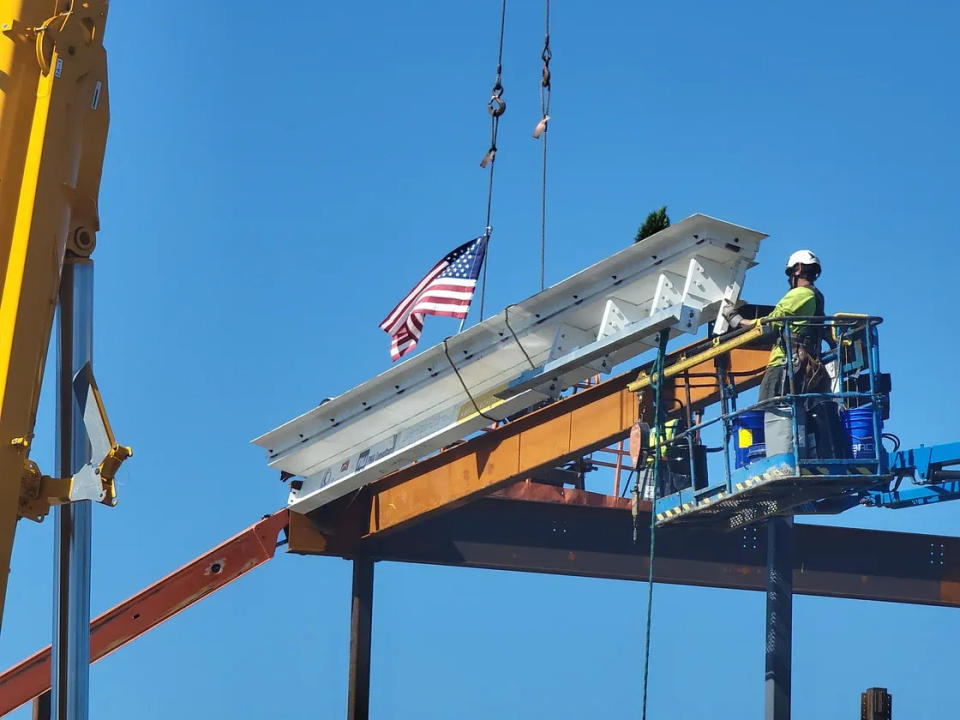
{"x": 802, "y": 257}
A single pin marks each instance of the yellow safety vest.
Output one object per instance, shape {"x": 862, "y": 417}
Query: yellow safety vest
{"x": 669, "y": 430}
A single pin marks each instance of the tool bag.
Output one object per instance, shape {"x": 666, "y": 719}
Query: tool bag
{"x": 809, "y": 374}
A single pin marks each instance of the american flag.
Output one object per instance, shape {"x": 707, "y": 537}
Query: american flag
{"x": 446, "y": 290}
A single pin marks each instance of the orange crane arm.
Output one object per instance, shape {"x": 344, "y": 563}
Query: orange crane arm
{"x": 153, "y": 605}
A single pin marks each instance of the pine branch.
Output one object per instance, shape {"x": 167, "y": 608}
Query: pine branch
{"x": 655, "y": 222}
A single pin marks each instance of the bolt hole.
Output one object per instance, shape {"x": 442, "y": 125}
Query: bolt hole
{"x": 216, "y": 568}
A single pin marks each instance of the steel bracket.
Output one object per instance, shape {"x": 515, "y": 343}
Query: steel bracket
{"x": 95, "y": 480}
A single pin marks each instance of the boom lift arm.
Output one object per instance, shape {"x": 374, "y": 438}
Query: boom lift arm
{"x": 54, "y": 115}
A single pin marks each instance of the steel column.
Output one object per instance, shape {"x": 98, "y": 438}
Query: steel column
{"x": 780, "y": 543}
{"x": 361, "y": 624}
{"x": 41, "y": 707}
{"x": 876, "y": 704}
{"x": 71, "y": 621}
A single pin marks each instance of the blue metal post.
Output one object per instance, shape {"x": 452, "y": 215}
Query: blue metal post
{"x": 72, "y": 526}
{"x": 693, "y": 473}
{"x": 721, "y": 365}
{"x": 874, "y": 355}
{"x": 794, "y": 404}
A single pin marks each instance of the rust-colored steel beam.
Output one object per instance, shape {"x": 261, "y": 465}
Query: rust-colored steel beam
{"x": 152, "y": 606}
{"x": 562, "y": 431}
{"x": 531, "y": 527}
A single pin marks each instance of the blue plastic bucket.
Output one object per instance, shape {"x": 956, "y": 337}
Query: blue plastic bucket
{"x": 748, "y": 437}
{"x": 858, "y": 422}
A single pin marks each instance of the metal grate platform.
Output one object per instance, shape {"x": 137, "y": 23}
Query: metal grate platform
{"x": 768, "y": 487}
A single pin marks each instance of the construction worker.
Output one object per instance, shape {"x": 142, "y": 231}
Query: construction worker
{"x": 665, "y": 476}
{"x": 802, "y": 300}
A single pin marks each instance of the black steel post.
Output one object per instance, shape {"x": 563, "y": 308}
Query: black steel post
{"x": 41, "y": 707}
{"x": 780, "y": 543}
{"x": 361, "y": 623}
{"x": 876, "y": 704}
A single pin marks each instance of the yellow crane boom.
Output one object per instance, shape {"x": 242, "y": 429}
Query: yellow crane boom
{"x": 54, "y": 115}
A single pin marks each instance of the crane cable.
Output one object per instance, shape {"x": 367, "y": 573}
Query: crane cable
{"x": 541, "y": 131}
{"x": 657, "y": 380}
{"x": 496, "y": 107}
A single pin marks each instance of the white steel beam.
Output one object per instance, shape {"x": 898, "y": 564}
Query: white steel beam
{"x": 678, "y": 279}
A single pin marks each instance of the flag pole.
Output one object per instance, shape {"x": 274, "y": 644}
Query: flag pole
{"x": 483, "y": 290}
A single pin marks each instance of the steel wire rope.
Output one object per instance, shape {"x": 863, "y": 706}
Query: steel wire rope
{"x": 496, "y": 107}
{"x": 657, "y": 380}
{"x": 476, "y": 407}
{"x": 541, "y": 131}
{"x": 626, "y": 485}
{"x": 506, "y": 319}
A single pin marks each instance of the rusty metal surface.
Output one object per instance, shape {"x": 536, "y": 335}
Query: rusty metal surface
{"x": 538, "y": 492}
{"x": 150, "y": 607}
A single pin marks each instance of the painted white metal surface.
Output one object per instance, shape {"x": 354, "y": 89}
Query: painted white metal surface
{"x": 678, "y": 278}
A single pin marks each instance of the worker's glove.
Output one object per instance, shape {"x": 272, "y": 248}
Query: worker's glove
{"x": 732, "y": 317}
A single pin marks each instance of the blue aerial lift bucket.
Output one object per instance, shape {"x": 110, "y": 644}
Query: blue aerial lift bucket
{"x": 763, "y": 481}
{"x": 858, "y": 423}
{"x": 749, "y": 438}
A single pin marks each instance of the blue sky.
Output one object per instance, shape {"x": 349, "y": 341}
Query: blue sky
{"x": 274, "y": 183}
